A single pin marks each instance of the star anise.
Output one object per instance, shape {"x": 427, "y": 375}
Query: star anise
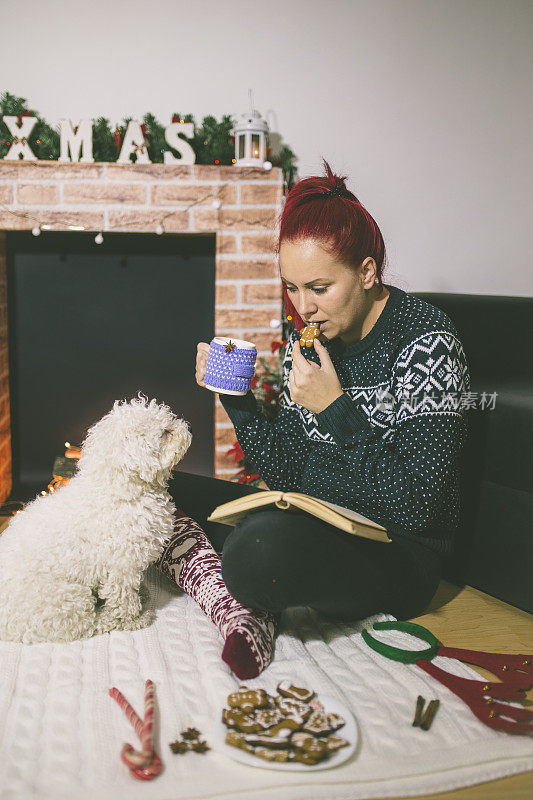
{"x": 190, "y": 733}
{"x": 230, "y": 347}
{"x": 200, "y": 747}
{"x": 179, "y": 747}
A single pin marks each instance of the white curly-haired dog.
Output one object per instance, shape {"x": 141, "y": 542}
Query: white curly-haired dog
{"x": 92, "y": 539}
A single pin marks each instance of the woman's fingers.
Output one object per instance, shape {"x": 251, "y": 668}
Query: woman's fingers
{"x": 300, "y": 365}
{"x": 292, "y": 380}
{"x": 202, "y": 351}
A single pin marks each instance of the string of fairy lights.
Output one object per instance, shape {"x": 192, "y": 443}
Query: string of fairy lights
{"x": 13, "y": 507}
{"x": 160, "y": 217}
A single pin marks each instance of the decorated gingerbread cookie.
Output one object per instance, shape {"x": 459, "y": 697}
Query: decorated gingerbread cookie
{"x": 288, "y": 689}
{"x": 267, "y": 717}
{"x": 280, "y": 755}
{"x": 235, "y": 718}
{"x": 248, "y": 699}
{"x": 309, "y": 334}
{"x": 317, "y": 724}
{"x": 335, "y": 721}
{"x": 294, "y": 708}
{"x": 335, "y": 743}
{"x": 311, "y": 745}
{"x": 269, "y": 739}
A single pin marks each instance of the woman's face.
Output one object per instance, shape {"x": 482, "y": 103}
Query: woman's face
{"x": 323, "y": 289}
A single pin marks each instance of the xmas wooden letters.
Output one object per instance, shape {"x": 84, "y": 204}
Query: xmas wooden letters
{"x": 80, "y": 140}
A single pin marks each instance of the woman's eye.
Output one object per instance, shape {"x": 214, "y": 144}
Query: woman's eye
{"x": 317, "y": 289}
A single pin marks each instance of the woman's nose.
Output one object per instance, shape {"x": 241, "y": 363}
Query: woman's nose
{"x": 307, "y": 305}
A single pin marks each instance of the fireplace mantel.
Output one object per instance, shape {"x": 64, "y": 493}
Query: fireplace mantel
{"x": 240, "y": 204}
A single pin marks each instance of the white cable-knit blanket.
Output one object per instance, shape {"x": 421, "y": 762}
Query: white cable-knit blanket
{"x": 61, "y": 734}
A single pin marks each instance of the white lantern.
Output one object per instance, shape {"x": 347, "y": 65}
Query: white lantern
{"x": 251, "y": 139}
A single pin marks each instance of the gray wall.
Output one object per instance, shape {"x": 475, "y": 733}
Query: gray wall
{"x": 426, "y": 105}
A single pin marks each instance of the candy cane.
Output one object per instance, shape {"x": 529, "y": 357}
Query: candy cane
{"x": 134, "y": 758}
{"x": 145, "y": 764}
{"x": 154, "y": 766}
{"x": 150, "y": 772}
{"x": 147, "y": 738}
{"x": 131, "y": 757}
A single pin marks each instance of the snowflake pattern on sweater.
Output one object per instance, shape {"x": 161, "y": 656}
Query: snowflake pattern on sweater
{"x": 389, "y": 447}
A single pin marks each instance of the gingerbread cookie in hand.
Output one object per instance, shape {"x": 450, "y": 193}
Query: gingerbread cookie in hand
{"x": 309, "y": 334}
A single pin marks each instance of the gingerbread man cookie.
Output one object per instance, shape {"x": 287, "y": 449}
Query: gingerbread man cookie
{"x": 248, "y": 699}
{"x": 309, "y": 334}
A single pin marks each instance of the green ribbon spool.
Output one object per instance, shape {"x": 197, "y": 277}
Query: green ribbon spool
{"x": 396, "y": 653}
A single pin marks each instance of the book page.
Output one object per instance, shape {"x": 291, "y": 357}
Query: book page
{"x": 245, "y": 503}
{"x": 346, "y": 512}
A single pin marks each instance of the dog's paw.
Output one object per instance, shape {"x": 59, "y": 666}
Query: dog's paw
{"x": 106, "y": 624}
{"x": 142, "y": 621}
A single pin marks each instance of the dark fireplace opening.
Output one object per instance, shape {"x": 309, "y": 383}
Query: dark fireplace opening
{"x": 90, "y": 324}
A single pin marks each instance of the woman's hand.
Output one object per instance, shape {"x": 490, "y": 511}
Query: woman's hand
{"x": 311, "y": 385}
{"x": 202, "y": 349}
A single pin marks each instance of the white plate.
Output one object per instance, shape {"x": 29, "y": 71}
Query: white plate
{"x": 349, "y": 731}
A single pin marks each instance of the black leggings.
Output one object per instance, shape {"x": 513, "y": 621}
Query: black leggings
{"x": 274, "y": 559}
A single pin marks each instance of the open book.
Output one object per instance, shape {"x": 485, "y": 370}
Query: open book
{"x": 343, "y": 518}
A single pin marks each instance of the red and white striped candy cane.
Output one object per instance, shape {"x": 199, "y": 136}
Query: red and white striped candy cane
{"x": 134, "y": 758}
{"x": 151, "y": 771}
{"x": 145, "y": 764}
{"x": 141, "y": 770}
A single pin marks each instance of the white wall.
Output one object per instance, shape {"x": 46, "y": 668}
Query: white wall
{"x": 426, "y": 105}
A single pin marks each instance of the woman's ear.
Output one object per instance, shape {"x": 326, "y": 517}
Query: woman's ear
{"x": 368, "y": 272}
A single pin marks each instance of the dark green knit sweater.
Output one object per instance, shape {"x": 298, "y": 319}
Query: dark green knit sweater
{"x": 389, "y": 447}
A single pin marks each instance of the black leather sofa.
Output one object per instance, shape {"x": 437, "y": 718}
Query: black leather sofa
{"x": 494, "y": 550}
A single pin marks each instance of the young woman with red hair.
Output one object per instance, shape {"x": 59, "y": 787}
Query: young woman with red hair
{"x": 367, "y": 420}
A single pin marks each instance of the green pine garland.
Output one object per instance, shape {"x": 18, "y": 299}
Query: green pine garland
{"x": 211, "y": 142}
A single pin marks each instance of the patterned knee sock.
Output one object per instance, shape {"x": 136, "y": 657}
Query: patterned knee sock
{"x": 190, "y": 560}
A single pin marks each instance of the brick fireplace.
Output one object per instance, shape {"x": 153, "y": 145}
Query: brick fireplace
{"x": 135, "y": 199}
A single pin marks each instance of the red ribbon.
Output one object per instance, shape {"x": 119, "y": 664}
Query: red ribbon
{"x": 480, "y": 696}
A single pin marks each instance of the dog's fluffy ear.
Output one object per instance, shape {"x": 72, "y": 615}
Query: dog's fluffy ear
{"x": 137, "y": 459}
{"x": 185, "y": 439}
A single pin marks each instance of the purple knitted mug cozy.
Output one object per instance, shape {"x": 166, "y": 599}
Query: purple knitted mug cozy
{"x": 230, "y": 365}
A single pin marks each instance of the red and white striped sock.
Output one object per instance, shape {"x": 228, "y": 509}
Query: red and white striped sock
{"x": 190, "y": 560}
